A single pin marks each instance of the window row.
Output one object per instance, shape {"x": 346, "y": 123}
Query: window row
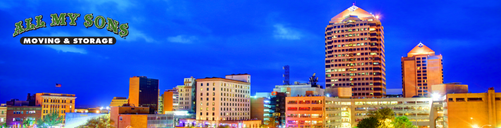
{"x": 227, "y": 85}
{"x": 353, "y": 64}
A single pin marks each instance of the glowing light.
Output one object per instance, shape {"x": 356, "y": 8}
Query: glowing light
{"x": 377, "y": 16}
{"x": 328, "y": 95}
{"x": 435, "y": 96}
{"x": 97, "y": 111}
{"x": 101, "y": 108}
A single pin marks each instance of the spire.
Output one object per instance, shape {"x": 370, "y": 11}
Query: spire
{"x": 420, "y": 49}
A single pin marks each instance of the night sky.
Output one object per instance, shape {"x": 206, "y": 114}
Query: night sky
{"x": 175, "y": 39}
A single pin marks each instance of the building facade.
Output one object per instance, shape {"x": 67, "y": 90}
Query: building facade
{"x": 143, "y": 91}
{"x": 299, "y": 89}
{"x": 119, "y": 101}
{"x": 3, "y": 113}
{"x": 17, "y": 114}
{"x": 446, "y": 88}
{"x": 277, "y": 110}
{"x": 354, "y": 53}
{"x": 223, "y": 99}
{"x": 55, "y": 103}
{"x": 420, "y": 70}
{"x": 474, "y": 110}
{"x": 170, "y": 100}
{"x": 320, "y": 111}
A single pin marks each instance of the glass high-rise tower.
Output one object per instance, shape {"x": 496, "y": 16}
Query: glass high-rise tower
{"x": 354, "y": 53}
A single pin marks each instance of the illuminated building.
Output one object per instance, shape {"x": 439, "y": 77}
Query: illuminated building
{"x": 180, "y": 98}
{"x": 277, "y": 110}
{"x": 442, "y": 89}
{"x": 354, "y": 53}
{"x": 260, "y": 107}
{"x": 116, "y": 112}
{"x": 223, "y": 99}
{"x": 320, "y": 111}
{"x": 15, "y": 115}
{"x": 169, "y": 99}
{"x": 55, "y": 102}
{"x": 304, "y": 111}
{"x": 143, "y": 92}
{"x": 475, "y": 110}
{"x": 3, "y": 113}
{"x": 119, "y": 101}
{"x": 420, "y": 70}
{"x": 298, "y": 89}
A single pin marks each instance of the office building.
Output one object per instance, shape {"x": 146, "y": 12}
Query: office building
{"x": 420, "y": 70}
{"x": 55, "y": 102}
{"x": 119, "y": 101}
{"x": 143, "y": 91}
{"x": 475, "y": 110}
{"x": 15, "y": 115}
{"x": 341, "y": 92}
{"x": 170, "y": 100}
{"x": 258, "y": 108}
{"x": 277, "y": 110}
{"x": 305, "y": 111}
{"x": 354, "y": 53}
{"x": 299, "y": 89}
{"x": 320, "y": 111}
{"x": 448, "y": 88}
{"x": 3, "y": 113}
{"x": 222, "y": 99}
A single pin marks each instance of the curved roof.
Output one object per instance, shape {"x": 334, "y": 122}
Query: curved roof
{"x": 352, "y": 11}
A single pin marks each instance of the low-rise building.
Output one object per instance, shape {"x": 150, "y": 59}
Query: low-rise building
{"x": 3, "y": 113}
{"x": 17, "y": 114}
{"x": 473, "y": 110}
{"x": 299, "y": 89}
{"x": 119, "y": 101}
{"x": 320, "y": 111}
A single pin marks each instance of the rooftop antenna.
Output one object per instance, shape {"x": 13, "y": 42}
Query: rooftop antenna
{"x": 286, "y": 75}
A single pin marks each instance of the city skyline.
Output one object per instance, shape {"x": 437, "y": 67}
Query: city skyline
{"x": 255, "y": 44}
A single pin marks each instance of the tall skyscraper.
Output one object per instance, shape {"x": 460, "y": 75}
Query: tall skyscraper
{"x": 143, "y": 92}
{"x": 354, "y": 53}
{"x": 420, "y": 70}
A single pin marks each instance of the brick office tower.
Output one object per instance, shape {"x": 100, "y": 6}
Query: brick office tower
{"x": 420, "y": 70}
{"x": 354, "y": 53}
{"x": 143, "y": 92}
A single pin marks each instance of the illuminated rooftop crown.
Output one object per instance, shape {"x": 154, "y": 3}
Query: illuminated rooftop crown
{"x": 352, "y": 13}
{"x": 421, "y": 49}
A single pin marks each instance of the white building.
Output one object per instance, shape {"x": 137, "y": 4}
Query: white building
{"x": 223, "y": 99}
{"x": 298, "y": 90}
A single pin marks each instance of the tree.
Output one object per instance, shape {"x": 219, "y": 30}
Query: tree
{"x": 385, "y": 116}
{"x": 4, "y": 125}
{"x": 27, "y": 123}
{"x": 402, "y": 122}
{"x": 98, "y": 122}
{"x": 370, "y": 122}
{"x": 226, "y": 126}
{"x": 50, "y": 120}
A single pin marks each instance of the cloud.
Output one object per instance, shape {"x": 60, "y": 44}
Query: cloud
{"x": 281, "y": 32}
{"x": 135, "y": 34}
{"x": 182, "y": 39}
{"x": 67, "y": 48}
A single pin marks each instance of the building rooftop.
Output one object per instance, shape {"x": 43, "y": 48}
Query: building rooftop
{"x": 421, "y": 49}
{"x": 355, "y": 13}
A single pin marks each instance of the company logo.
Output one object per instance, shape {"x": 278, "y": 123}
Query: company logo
{"x": 99, "y": 22}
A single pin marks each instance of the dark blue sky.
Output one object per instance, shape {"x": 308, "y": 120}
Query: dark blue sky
{"x": 173, "y": 39}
